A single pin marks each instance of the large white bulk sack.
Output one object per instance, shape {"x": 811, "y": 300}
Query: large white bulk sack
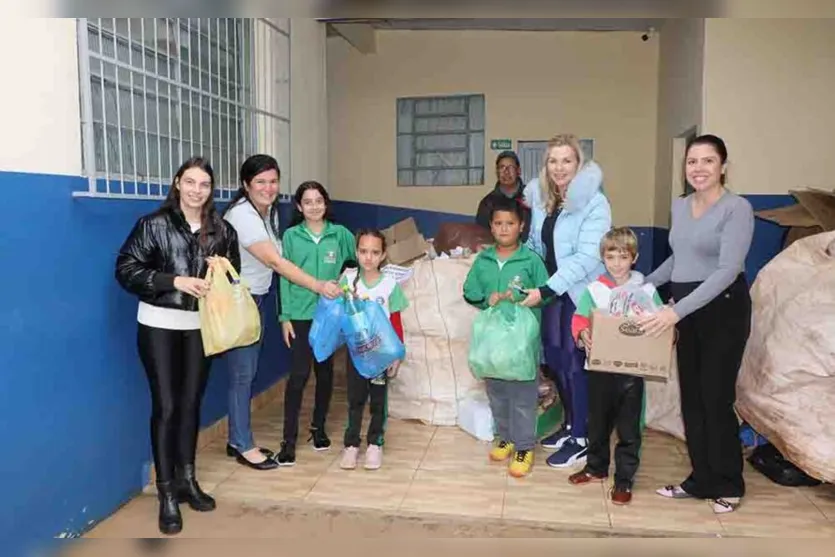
{"x": 663, "y": 408}
{"x": 435, "y": 375}
{"x": 786, "y": 385}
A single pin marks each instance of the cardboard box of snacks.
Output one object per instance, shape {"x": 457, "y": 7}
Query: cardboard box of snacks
{"x": 620, "y": 346}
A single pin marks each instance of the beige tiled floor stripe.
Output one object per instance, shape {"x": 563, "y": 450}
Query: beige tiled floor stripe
{"x": 444, "y": 471}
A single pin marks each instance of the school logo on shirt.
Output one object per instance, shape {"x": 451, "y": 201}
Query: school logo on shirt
{"x": 330, "y": 257}
{"x": 380, "y": 300}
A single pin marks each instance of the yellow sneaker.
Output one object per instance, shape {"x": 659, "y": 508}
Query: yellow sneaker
{"x": 522, "y": 464}
{"x": 501, "y": 451}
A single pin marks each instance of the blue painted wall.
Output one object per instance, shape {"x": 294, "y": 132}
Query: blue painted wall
{"x": 768, "y": 236}
{"x": 355, "y": 215}
{"x": 74, "y": 401}
{"x": 653, "y": 246}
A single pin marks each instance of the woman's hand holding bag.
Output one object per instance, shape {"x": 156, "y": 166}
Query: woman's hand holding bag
{"x": 229, "y": 317}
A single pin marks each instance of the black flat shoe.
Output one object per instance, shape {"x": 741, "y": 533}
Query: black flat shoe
{"x": 268, "y": 464}
{"x": 232, "y": 451}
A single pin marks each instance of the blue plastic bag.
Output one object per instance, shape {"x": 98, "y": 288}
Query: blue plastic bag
{"x": 372, "y": 342}
{"x": 325, "y": 335}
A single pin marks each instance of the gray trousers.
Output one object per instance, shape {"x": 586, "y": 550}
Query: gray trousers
{"x": 514, "y": 405}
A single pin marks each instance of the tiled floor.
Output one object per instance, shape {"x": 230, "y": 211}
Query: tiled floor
{"x": 444, "y": 471}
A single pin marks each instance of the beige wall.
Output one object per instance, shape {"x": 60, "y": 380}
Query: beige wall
{"x": 39, "y": 103}
{"x": 598, "y": 85}
{"x": 681, "y": 66}
{"x": 309, "y": 105}
{"x": 769, "y": 91}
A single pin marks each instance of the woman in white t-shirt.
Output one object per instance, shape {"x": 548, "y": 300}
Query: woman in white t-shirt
{"x": 253, "y": 214}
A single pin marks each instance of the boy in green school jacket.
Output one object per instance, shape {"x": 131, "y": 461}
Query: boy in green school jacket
{"x": 496, "y": 273}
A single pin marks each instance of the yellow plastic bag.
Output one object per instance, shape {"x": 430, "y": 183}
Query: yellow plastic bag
{"x": 229, "y": 317}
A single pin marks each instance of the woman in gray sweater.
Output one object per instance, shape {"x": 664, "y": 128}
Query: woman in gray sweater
{"x": 710, "y": 236}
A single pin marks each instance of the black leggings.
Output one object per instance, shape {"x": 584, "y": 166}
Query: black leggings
{"x": 301, "y": 359}
{"x": 177, "y": 372}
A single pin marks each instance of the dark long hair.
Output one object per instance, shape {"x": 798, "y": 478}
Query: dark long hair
{"x": 209, "y": 218}
{"x": 714, "y": 141}
{"x": 367, "y": 232}
{"x": 298, "y": 217}
{"x": 252, "y": 167}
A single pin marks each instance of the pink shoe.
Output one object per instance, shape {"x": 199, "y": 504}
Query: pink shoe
{"x": 373, "y": 457}
{"x": 349, "y": 458}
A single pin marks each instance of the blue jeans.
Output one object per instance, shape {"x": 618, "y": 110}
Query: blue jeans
{"x": 243, "y": 365}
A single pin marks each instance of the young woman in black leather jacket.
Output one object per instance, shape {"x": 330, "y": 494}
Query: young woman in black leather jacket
{"x": 163, "y": 262}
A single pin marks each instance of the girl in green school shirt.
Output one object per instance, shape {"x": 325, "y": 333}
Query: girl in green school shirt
{"x": 320, "y": 248}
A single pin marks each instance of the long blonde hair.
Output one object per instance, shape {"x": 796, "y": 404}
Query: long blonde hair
{"x": 549, "y": 192}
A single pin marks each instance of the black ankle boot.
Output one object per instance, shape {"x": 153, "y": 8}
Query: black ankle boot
{"x": 170, "y": 520}
{"x": 188, "y": 491}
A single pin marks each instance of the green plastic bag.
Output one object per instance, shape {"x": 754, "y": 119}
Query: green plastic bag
{"x": 505, "y": 343}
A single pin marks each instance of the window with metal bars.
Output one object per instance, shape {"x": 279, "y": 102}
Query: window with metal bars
{"x": 440, "y": 141}
{"x": 156, "y": 91}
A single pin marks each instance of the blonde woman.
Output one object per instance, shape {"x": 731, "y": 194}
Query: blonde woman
{"x": 569, "y": 217}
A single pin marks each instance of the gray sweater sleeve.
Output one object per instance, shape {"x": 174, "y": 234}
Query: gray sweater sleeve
{"x": 736, "y": 236}
{"x": 662, "y": 274}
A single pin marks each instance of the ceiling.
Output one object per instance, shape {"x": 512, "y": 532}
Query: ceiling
{"x": 502, "y": 24}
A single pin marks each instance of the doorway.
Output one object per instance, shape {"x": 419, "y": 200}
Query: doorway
{"x": 531, "y": 154}
{"x": 679, "y": 185}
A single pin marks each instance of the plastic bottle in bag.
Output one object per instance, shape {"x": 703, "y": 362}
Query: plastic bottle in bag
{"x": 631, "y": 300}
{"x": 361, "y": 332}
{"x": 359, "y": 326}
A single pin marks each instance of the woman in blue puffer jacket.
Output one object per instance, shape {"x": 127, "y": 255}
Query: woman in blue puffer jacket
{"x": 569, "y": 216}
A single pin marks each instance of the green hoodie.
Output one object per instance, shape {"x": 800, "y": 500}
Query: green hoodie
{"x": 323, "y": 259}
{"x": 488, "y": 274}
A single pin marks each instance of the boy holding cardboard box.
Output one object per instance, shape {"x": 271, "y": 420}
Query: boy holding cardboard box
{"x": 615, "y": 399}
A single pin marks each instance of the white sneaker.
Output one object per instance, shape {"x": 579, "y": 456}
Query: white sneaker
{"x": 373, "y": 457}
{"x": 349, "y": 458}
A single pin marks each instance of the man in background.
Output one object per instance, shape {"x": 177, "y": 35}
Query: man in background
{"x": 509, "y": 184}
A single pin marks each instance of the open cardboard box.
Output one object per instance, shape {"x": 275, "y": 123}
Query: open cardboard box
{"x": 619, "y": 346}
{"x": 814, "y": 213}
{"x": 404, "y": 242}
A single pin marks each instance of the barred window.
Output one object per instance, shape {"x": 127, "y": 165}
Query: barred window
{"x": 440, "y": 141}
{"x": 156, "y": 91}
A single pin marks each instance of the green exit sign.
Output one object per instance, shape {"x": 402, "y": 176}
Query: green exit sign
{"x": 501, "y": 144}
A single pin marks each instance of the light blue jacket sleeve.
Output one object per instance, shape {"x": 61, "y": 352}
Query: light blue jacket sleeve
{"x": 574, "y": 268}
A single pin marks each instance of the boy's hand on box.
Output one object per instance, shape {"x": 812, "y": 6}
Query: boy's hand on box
{"x": 585, "y": 339}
